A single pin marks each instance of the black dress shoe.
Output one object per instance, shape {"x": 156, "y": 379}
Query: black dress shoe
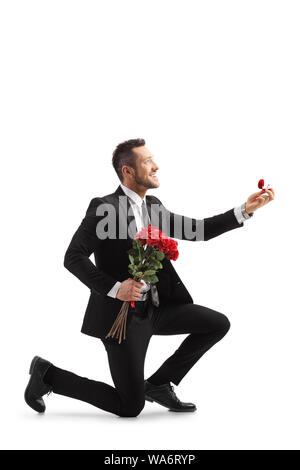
{"x": 164, "y": 395}
{"x": 36, "y": 387}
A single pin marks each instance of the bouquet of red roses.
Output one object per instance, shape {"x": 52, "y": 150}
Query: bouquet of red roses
{"x": 149, "y": 248}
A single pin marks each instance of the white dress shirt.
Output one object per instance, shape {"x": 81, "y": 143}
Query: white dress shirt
{"x": 136, "y": 204}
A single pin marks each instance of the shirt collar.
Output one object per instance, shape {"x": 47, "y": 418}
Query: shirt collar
{"x": 133, "y": 195}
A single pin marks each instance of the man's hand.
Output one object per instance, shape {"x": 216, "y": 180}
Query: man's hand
{"x": 129, "y": 290}
{"x": 259, "y": 199}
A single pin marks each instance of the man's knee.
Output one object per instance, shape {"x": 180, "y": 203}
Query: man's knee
{"x": 132, "y": 408}
{"x": 224, "y": 323}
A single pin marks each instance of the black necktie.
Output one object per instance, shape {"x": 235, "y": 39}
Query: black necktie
{"x": 146, "y": 221}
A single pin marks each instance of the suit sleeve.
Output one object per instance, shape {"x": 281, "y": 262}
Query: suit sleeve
{"x": 187, "y": 228}
{"x": 82, "y": 245}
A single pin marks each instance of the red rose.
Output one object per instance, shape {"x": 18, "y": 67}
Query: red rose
{"x": 152, "y": 236}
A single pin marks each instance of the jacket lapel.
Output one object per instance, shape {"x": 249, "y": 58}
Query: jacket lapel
{"x": 126, "y": 212}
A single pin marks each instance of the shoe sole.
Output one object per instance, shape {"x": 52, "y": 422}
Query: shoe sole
{"x": 170, "y": 409}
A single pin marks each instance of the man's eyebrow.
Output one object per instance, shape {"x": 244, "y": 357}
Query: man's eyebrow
{"x": 151, "y": 156}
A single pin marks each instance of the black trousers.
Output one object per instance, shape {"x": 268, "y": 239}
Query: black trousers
{"x": 126, "y": 360}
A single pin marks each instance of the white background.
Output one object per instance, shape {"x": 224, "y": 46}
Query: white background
{"x": 213, "y": 88}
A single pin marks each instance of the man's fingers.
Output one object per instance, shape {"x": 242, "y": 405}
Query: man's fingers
{"x": 268, "y": 196}
{"x": 255, "y": 195}
{"x": 269, "y": 192}
{"x": 272, "y": 190}
{"x": 261, "y": 200}
{"x": 259, "y": 192}
{"x": 136, "y": 297}
{"x": 137, "y": 284}
{"x": 133, "y": 281}
{"x": 136, "y": 291}
{"x": 263, "y": 192}
{"x": 262, "y": 197}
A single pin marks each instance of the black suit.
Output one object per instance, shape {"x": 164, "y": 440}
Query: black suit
{"x": 176, "y": 314}
{"x": 111, "y": 259}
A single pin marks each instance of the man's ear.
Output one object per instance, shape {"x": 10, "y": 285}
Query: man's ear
{"x": 128, "y": 171}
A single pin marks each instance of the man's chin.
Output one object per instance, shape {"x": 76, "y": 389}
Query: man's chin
{"x": 153, "y": 184}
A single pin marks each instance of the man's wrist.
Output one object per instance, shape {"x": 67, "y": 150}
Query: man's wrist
{"x": 244, "y": 211}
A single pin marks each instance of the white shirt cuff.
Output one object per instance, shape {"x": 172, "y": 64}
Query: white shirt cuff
{"x": 238, "y": 214}
{"x": 241, "y": 214}
{"x": 113, "y": 291}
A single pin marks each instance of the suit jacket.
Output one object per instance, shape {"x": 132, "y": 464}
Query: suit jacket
{"x": 111, "y": 258}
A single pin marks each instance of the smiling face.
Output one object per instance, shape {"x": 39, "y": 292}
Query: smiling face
{"x": 145, "y": 173}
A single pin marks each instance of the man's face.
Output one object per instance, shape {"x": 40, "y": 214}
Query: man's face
{"x": 145, "y": 173}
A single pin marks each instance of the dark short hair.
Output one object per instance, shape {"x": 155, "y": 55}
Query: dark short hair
{"x": 123, "y": 155}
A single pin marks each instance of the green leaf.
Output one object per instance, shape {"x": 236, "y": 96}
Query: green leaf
{"x": 160, "y": 255}
{"x": 150, "y": 272}
{"x": 139, "y": 247}
{"x": 157, "y": 264}
{"x": 133, "y": 252}
{"x": 131, "y": 259}
{"x": 148, "y": 265}
{"x": 132, "y": 269}
{"x": 153, "y": 279}
{"x": 139, "y": 274}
